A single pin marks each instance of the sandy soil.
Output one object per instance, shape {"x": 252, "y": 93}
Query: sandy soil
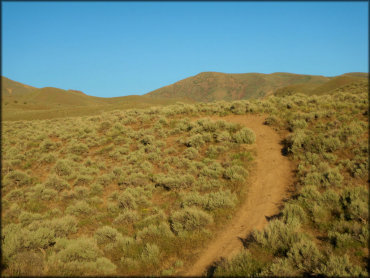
{"x": 274, "y": 174}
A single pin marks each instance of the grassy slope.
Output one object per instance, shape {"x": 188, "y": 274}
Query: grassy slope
{"x": 13, "y": 88}
{"x": 210, "y": 86}
{"x": 29, "y": 103}
{"x": 323, "y": 228}
{"x": 325, "y": 88}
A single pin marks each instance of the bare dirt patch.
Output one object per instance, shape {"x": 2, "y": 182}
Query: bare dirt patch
{"x": 272, "y": 177}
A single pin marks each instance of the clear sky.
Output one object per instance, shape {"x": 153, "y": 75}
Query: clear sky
{"x": 121, "y": 48}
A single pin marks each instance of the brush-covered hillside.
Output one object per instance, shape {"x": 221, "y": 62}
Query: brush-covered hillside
{"x": 213, "y": 86}
{"x": 23, "y": 102}
{"x": 141, "y": 192}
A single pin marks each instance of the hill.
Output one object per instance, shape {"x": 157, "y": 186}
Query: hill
{"x": 211, "y": 86}
{"x": 24, "y": 102}
{"x": 326, "y": 88}
{"x": 13, "y": 88}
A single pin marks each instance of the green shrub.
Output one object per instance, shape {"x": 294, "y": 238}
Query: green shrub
{"x": 155, "y": 233}
{"x": 107, "y": 235}
{"x": 293, "y": 212}
{"x": 96, "y": 189}
{"x": 150, "y": 254}
{"x": 241, "y": 265}
{"x": 83, "y": 180}
{"x": 79, "y": 257}
{"x": 47, "y": 146}
{"x": 26, "y": 218}
{"x": 235, "y": 173}
{"x": 63, "y": 226}
{"x": 63, "y": 168}
{"x": 126, "y": 201}
{"x": 281, "y": 267}
{"x": 245, "y": 135}
{"x": 16, "y": 178}
{"x": 355, "y": 203}
{"x": 79, "y": 208}
{"x": 48, "y": 158}
{"x": 304, "y": 256}
{"x": 189, "y": 219}
{"x": 56, "y": 183}
{"x": 191, "y": 153}
{"x": 278, "y": 236}
{"x": 126, "y": 217}
{"x": 339, "y": 266}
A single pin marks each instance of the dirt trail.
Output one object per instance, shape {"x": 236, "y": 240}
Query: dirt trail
{"x": 266, "y": 191}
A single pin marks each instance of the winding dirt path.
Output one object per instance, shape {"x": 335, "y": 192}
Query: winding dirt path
{"x": 274, "y": 173}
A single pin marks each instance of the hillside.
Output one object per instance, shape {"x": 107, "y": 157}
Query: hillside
{"x": 278, "y": 185}
{"x": 211, "y": 86}
{"x": 13, "y": 88}
{"x": 23, "y": 102}
{"x": 328, "y": 87}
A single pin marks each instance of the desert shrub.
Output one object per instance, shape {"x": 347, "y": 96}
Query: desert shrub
{"x": 79, "y": 208}
{"x": 220, "y": 199}
{"x": 15, "y": 195}
{"x": 26, "y": 263}
{"x": 271, "y": 120}
{"x": 241, "y": 265}
{"x": 355, "y": 203}
{"x": 304, "y": 256}
{"x": 96, "y": 189}
{"x": 54, "y": 182}
{"x": 235, "y": 173}
{"x": 211, "y": 201}
{"x": 83, "y": 180}
{"x": 191, "y": 153}
{"x": 297, "y": 124}
{"x": 189, "y": 219}
{"x": 48, "y": 194}
{"x": 104, "y": 126}
{"x": 291, "y": 212}
{"x": 126, "y": 217}
{"x": 63, "y": 226}
{"x": 340, "y": 240}
{"x": 107, "y": 235}
{"x": 81, "y": 191}
{"x": 126, "y": 201}
{"x": 278, "y": 236}
{"x": 324, "y": 176}
{"x": 26, "y": 218}
{"x": 63, "y": 168}
{"x": 48, "y": 158}
{"x": 150, "y": 254}
{"x": 281, "y": 267}
{"x": 223, "y": 136}
{"x": 339, "y": 266}
{"x": 245, "y": 135}
{"x": 47, "y": 146}
{"x": 155, "y": 233}
{"x": 104, "y": 179}
{"x": 147, "y": 140}
{"x": 194, "y": 141}
{"x": 16, "y": 178}
{"x": 80, "y": 256}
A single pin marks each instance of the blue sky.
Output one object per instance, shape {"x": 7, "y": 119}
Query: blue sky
{"x": 122, "y": 48}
